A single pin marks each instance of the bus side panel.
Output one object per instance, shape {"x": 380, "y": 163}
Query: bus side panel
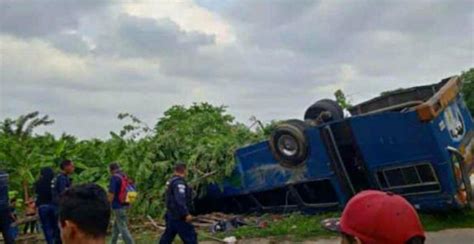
{"x": 391, "y": 140}
{"x": 392, "y": 137}
{"x": 454, "y": 126}
{"x": 260, "y": 171}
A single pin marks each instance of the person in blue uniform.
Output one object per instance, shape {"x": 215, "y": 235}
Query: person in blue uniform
{"x": 44, "y": 200}
{"x": 178, "y": 203}
{"x": 60, "y": 184}
{"x": 4, "y": 209}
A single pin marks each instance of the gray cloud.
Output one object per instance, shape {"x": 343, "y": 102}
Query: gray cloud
{"x": 26, "y": 18}
{"x": 146, "y": 37}
{"x": 69, "y": 42}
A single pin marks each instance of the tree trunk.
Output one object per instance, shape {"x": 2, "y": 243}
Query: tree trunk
{"x": 25, "y": 190}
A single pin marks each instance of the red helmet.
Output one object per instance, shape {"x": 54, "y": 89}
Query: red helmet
{"x": 379, "y": 217}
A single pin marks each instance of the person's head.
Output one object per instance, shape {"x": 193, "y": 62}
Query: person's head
{"x": 114, "y": 167}
{"x": 373, "y": 217}
{"x": 84, "y": 214}
{"x": 67, "y": 166}
{"x": 180, "y": 169}
{"x": 46, "y": 174}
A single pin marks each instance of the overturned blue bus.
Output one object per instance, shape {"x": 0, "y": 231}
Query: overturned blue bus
{"x": 417, "y": 142}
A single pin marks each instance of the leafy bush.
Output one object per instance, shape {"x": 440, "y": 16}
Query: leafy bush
{"x": 202, "y": 135}
{"x": 468, "y": 88}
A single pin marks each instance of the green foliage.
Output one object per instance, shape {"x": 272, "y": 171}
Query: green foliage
{"x": 468, "y": 88}
{"x": 19, "y": 149}
{"x": 342, "y": 100}
{"x": 202, "y": 135}
{"x": 448, "y": 220}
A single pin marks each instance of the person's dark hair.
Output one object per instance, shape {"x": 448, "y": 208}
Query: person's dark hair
{"x": 114, "y": 166}
{"x": 87, "y": 206}
{"x": 350, "y": 239}
{"x": 180, "y": 167}
{"x": 416, "y": 240}
{"x": 46, "y": 175}
{"x": 64, "y": 164}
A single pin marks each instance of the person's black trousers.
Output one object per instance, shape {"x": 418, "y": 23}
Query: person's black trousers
{"x": 5, "y": 226}
{"x": 31, "y": 226}
{"x": 174, "y": 227}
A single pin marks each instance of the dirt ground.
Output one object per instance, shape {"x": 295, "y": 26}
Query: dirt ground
{"x": 456, "y": 236}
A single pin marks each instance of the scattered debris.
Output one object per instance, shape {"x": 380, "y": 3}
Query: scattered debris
{"x": 204, "y": 223}
{"x": 230, "y": 240}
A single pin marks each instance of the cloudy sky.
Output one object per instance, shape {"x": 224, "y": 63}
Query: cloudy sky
{"x": 83, "y": 62}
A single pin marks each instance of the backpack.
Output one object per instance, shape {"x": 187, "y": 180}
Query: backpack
{"x": 128, "y": 193}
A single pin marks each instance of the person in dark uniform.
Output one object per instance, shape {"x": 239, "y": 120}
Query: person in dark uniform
{"x": 46, "y": 210}
{"x": 59, "y": 185}
{"x": 4, "y": 209}
{"x": 178, "y": 202}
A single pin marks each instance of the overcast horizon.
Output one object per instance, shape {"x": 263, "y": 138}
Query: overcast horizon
{"x": 83, "y": 62}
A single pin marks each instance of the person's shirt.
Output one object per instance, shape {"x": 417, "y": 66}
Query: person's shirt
{"x": 13, "y": 216}
{"x": 61, "y": 183}
{"x": 178, "y": 198}
{"x": 4, "y": 202}
{"x": 43, "y": 193}
{"x": 115, "y": 185}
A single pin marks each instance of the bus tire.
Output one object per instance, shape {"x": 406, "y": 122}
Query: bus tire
{"x": 325, "y": 110}
{"x": 289, "y": 144}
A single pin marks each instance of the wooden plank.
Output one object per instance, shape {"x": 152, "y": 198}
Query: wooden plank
{"x": 25, "y": 220}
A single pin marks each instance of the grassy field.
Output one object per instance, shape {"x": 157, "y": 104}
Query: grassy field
{"x": 295, "y": 226}
{"x": 299, "y": 227}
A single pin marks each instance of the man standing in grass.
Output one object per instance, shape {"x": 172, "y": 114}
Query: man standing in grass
{"x": 178, "y": 217}
{"x": 119, "y": 207}
{"x": 4, "y": 209}
{"x": 60, "y": 184}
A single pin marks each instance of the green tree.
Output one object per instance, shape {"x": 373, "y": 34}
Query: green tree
{"x": 19, "y": 151}
{"x": 468, "y": 88}
{"x": 203, "y": 136}
{"x": 342, "y": 100}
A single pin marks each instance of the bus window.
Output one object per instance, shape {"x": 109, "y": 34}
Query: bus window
{"x": 276, "y": 197}
{"x": 317, "y": 192}
{"x": 413, "y": 179}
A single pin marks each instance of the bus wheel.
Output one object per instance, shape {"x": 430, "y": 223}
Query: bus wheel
{"x": 323, "y": 111}
{"x": 289, "y": 143}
